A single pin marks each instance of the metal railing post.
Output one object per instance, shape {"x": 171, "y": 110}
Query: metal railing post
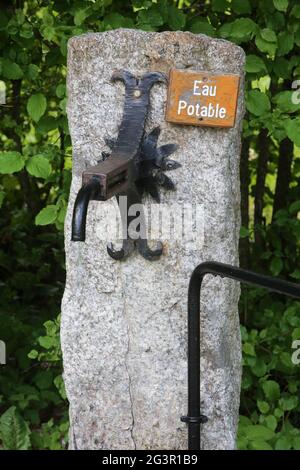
{"x": 194, "y": 417}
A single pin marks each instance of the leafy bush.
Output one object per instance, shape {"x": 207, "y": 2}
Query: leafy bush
{"x": 270, "y": 397}
{"x": 36, "y": 394}
{"x": 35, "y": 165}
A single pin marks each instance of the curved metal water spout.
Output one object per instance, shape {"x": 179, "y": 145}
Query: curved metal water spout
{"x": 87, "y": 192}
{"x": 194, "y": 418}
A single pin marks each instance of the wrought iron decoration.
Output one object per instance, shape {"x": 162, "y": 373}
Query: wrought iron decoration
{"x": 135, "y": 166}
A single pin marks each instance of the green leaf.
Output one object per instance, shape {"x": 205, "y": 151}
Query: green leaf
{"x": 62, "y": 215}
{"x": 283, "y": 443}
{"x": 249, "y": 349}
{"x": 60, "y": 90}
{"x": 265, "y": 46}
{"x": 278, "y": 413}
{"x": 294, "y": 207}
{"x": 276, "y": 266}
{"x": 241, "y": 7}
{"x": 115, "y": 20}
{"x": 10, "y": 162}
{"x": 151, "y": 17}
{"x": 281, "y": 5}
{"x": 176, "y": 18}
{"x": 48, "y": 19}
{"x": 243, "y": 28}
{"x": 296, "y": 11}
{"x": 46, "y": 342}
{"x": 258, "y": 103}
{"x": 296, "y": 443}
{"x": 14, "y": 430}
{"x": 51, "y": 328}
{"x": 80, "y": 15}
{"x": 11, "y": 70}
{"x": 263, "y": 406}
{"x": 271, "y": 422}
{"x": 258, "y": 432}
{"x": 242, "y": 443}
{"x": 268, "y": 35}
{"x": 285, "y": 103}
{"x": 281, "y": 67}
{"x": 46, "y": 124}
{"x": 19, "y": 16}
{"x": 32, "y": 71}
{"x": 255, "y": 64}
{"x": 260, "y": 445}
{"x": 225, "y": 30}
{"x": 163, "y": 7}
{"x": 296, "y": 332}
{"x": 202, "y": 26}
{"x": 292, "y": 127}
{"x": 47, "y": 215}
{"x": 59, "y": 384}
{"x": 48, "y": 33}
{"x": 295, "y": 274}
{"x": 244, "y": 421}
{"x": 219, "y": 5}
{"x": 44, "y": 379}
{"x": 285, "y": 43}
{"x": 259, "y": 369}
{"x": 33, "y": 354}
{"x": 244, "y": 232}
{"x": 286, "y": 361}
{"x": 26, "y": 31}
{"x": 271, "y": 390}
{"x": 36, "y": 106}
{"x": 38, "y": 166}
{"x": 63, "y": 104}
{"x": 288, "y": 403}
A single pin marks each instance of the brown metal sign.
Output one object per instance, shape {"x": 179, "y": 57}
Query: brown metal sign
{"x": 202, "y": 98}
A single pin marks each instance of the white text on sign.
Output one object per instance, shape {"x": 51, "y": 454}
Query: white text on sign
{"x": 202, "y": 98}
{"x": 199, "y": 110}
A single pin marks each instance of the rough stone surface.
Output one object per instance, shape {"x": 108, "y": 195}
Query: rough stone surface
{"x": 124, "y": 324}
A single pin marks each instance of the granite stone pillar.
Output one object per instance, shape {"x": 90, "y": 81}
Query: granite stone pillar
{"x": 124, "y": 324}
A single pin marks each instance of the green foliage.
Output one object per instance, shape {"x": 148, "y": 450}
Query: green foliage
{"x": 281, "y": 5}
{"x": 36, "y": 106}
{"x": 255, "y": 64}
{"x": 38, "y": 166}
{"x": 11, "y": 70}
{"x": 11, "y": 162}
{"x": 14, "y": 431}
{"x": 258, "y": 103}
{"x": 292, "y": 130}
{"x": 47, "y": 215}
{"x": 37, "y": 418}
{"x": 270, "y": 381}
{"x": 35, "y": 165}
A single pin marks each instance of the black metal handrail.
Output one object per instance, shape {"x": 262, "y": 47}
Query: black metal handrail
{"x": 194, "y": 418}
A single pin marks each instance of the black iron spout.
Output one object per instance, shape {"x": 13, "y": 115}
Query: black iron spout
{"x": 87, "y": 192}
{"x": 194, "y": 418}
